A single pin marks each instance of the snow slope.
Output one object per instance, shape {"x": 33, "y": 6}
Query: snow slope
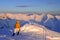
{"x": 30, "y": 32}
{"x": 41, "y": 30}
{"x": 26, "y": 33}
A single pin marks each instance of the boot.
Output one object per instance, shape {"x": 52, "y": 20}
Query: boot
{"x": 13, "y": 34}
{"x": 18, "y": 33}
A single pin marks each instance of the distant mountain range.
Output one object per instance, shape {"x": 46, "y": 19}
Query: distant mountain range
{"x": 50, "y": 21}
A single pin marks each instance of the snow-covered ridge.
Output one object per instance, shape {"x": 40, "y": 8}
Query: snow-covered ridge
{"x": 32, "y": 28}
{"x": 58, "y": 17}
{"x": 41, "y": 30}
{"x": 21, "y": 16}
{"x": 28, "y": 17}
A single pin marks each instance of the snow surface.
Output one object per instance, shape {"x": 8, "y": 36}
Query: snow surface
{"x": 29, "y": 32}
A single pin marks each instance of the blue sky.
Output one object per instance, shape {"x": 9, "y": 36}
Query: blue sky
{"x": 29, "y": 5}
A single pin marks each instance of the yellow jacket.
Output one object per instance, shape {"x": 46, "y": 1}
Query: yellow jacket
{"x": 17, "y": 25}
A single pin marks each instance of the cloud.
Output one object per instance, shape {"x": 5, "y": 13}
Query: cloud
{"x": 22, "y": 6}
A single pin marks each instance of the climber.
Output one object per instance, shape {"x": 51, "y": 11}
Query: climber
{"x": 16, "y": 28}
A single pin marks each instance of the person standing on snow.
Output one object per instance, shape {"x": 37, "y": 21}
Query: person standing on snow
{"x": 16, "y": 28}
